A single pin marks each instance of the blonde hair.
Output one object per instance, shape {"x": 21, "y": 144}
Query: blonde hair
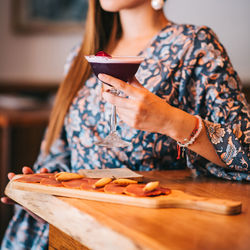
{"x": 102, "y": 29}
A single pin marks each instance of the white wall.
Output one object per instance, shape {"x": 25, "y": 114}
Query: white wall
{"x": 32, "y": 58}
{"x": 40, "y": 58}
{"x": 230, "y": 19}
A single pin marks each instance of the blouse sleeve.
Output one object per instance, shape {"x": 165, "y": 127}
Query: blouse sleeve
{"x": 58, "y": 158}
{"x": 215, "y": 90}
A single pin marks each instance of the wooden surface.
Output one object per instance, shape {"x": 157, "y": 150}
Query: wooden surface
{"x": 60, "y": 240}
{"x": 100, "y": 225}
{"x": 176, "y": 199}
{"x": 15, "y": 117}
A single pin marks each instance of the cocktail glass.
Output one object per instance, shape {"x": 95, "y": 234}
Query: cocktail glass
{"x": 123, "y": 68}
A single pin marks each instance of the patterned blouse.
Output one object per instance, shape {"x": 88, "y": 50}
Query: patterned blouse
{"x": 188, "y": 67}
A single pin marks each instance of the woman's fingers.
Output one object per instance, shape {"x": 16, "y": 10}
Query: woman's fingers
{"x": 128, "y": 119}
{"x": 126, "y": 88}
{"x": 118, "y": 101}
{"x": 133, "y": 119}
{"x": 27, "y": 170}
{"x": 124, "y": 114}
{"x": 10, "y": 175}
{"x": 134, "y": 82}
{"x": 105, "y": 87}
{"x": 7, "y": 201}
{"x": 44, "y": 170}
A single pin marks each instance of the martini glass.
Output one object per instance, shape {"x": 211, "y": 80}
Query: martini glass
{"x": 123, "y": 68}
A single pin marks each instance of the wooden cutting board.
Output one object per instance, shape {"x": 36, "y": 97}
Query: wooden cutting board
{"x": 177, "y": 198}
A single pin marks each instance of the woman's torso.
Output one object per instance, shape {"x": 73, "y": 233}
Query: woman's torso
{"x": 88, "y": 117}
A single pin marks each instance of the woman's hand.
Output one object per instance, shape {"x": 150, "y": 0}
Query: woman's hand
{"x": 25, "y": 170}
{"x": 8, "y": 201}
{"x": 142, "y": 109}
{"x": 145, "y": 111}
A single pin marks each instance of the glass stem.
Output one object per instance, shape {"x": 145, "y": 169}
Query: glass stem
{"x": 113, "y": 120}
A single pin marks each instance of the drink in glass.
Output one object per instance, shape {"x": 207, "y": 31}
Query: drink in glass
{"x": 123, "y": 68}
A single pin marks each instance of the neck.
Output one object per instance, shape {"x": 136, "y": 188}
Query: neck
{"x": 141, "y": 22}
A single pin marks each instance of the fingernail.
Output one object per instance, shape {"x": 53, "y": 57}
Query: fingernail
{"x": 101, "y": 76}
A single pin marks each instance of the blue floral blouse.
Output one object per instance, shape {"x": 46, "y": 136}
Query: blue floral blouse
{"x": 188, "y": 67}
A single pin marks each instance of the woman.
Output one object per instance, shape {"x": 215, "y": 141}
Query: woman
{"x": 186, "y": 72}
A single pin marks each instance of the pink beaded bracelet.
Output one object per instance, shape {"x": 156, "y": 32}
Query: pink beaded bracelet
{"x": 193, "y": 136}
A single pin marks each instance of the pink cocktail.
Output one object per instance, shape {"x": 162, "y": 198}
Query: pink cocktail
{"x": 123, "y": 68}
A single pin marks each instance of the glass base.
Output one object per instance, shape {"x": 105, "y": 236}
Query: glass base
{"x": 113, "y": 141}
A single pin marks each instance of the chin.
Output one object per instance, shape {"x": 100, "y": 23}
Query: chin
{"x": 117, "y": 5}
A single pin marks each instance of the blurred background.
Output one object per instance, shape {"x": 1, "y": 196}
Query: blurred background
{"x": 37, "y": 35}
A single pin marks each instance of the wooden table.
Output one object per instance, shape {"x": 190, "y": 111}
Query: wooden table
{"x": 77, "y": 223}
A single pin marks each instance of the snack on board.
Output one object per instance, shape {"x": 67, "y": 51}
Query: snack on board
{"x": 52, "y": 182}
{"x": 108, "y": 185}
{"x": 76, "y": 183}
{"x": 102, "y": 182}
{"x": 34, "y": 178}
{"x": 113, "y": 188}
{"x": 124, "y": 182}
{"x": 65, "y": 176}
{"x": 151, "y": 186}
{"x": 137, "y": 191}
